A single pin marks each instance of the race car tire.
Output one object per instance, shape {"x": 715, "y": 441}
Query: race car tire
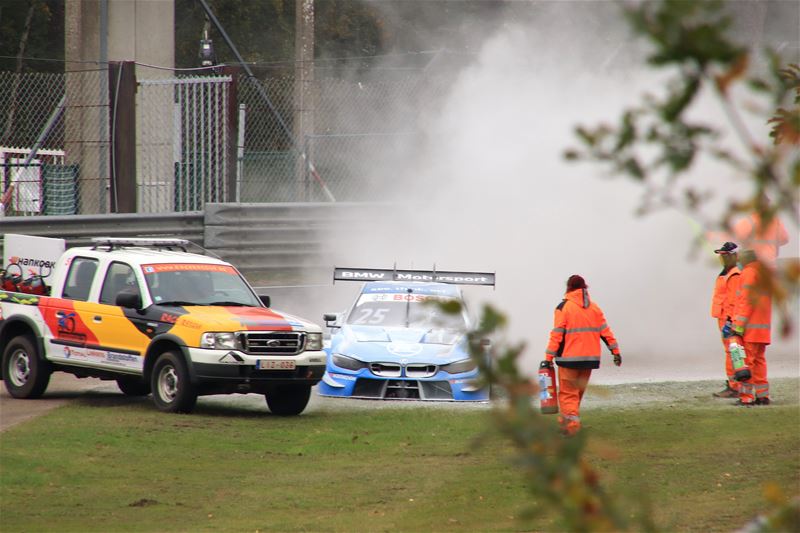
{"x": 133, "y": 386}
{"x": 171, "y": 386}
{"x": 288, "y": 400}
{"x": 24, "y": 373}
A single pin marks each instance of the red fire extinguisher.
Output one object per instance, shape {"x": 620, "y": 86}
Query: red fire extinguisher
{"x": 548, "y": 400}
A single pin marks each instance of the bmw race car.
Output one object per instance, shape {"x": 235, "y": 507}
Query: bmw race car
{"x": 395, "y": 343}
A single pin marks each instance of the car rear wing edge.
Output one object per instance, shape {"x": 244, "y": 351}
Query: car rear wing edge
{"x": 379, "y": 274}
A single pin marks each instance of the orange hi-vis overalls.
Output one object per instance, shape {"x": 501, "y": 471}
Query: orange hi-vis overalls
{"x": 726, "y": 289}
{"x": 751, "y": 234}
{"x": 753, "y": 312}
{"x": 578, "y": 326}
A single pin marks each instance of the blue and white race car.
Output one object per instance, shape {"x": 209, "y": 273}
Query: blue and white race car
{"x": 395, "y": 343}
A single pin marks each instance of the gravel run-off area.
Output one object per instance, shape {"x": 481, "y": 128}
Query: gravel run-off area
{"x": 670, "y": 394}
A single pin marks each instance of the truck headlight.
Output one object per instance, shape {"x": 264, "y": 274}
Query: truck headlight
{"x": 218, "y": 341}
{"x": 313, "y": 342}
{"x": 459, "y": 367}
{"x": 349, "y": 363}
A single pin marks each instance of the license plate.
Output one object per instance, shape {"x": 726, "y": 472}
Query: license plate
{"x": 272, "y": 364}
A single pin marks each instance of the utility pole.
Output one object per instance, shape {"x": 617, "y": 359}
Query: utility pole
{"x": 303, "y": 91}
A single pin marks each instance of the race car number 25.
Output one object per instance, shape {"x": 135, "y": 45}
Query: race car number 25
{"x": 271, "y": 364}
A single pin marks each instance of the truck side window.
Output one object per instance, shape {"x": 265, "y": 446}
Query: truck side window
{"x": 79, "y": 278}
{"x": 119, "y": 278}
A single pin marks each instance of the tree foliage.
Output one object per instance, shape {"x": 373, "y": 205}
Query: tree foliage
{"x": 657, "y": 141}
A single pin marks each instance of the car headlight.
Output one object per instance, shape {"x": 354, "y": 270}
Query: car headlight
{"x": 349, "y": 363}
{"x": 313, "y": 342}
{"x": 218, "y": 341}
{"x": 459, "y": 367}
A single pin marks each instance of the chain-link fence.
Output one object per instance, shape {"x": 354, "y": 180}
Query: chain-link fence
{"x": 182, "y": 138}
{"x": 359, "y": 138}
{"x": 54, "y": 150}
{"x": 193, "y": 145}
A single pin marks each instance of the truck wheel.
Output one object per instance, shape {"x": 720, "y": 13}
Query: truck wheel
{"x": 172, "y": 389}
{"x": 24, "y": 373}
{"x": 133, "y": 386}
{"x": 288, "y": 400}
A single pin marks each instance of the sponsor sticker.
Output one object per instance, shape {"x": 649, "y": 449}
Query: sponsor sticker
{"x": 402, "y": 297}
{"x": 187, "y": 267}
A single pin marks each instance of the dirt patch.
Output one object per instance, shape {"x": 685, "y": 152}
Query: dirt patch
{"x": 62, "y": 388}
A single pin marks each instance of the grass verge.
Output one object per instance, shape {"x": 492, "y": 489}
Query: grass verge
{"x": 115, "y": 464}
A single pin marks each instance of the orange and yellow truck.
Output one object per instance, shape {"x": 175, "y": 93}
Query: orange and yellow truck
{"x": 158, "y": 320}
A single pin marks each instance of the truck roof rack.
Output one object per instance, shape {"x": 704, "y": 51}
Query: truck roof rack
{"x": 122, "y": 242}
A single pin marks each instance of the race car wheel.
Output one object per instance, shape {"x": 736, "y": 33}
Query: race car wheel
{"x": 133, "y": 386}
{"x": 288, "y": 400}
{"x": 24, "y": 373}
{"x": 172, "y": 389}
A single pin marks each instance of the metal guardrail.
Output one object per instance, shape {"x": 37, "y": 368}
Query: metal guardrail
{"x": 254, "y": 237}
{"x": 282, "y": 235}
{"x": 78, "y": 230}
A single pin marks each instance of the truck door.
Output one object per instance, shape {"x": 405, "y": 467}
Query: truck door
{"x": 120, "y": 332}
{"x": 68, "y": 332}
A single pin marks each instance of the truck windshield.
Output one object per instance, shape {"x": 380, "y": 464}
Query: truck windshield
{"x": 389, "y": 310}
{"x": 197, "y": 284}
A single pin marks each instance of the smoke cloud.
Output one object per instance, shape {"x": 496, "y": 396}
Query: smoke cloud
{"x": 489, "y": 190}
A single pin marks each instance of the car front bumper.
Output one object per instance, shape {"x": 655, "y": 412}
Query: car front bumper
{"x": 235, "y": 367}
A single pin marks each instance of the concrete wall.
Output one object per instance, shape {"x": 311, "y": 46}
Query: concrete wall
{"x": 97, "y": 31}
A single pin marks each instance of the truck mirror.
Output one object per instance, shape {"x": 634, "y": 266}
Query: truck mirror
{"x": 131, "y": 300}
{"x": 265, "y": 299}
{"x": 330, "y": 319}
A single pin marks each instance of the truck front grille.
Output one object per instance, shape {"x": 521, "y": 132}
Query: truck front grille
{"x": 272, "y": 342}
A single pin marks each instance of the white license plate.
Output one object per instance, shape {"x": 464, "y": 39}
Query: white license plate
{"x": 272, "y": 364}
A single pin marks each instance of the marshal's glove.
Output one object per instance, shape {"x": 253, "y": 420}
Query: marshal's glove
{"x": 617, "y": 359}
{"x": 727, "y": 329}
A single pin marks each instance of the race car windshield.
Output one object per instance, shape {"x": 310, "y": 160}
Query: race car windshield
{"x": 195, "y": 284}
{"x": 384, "y": 311}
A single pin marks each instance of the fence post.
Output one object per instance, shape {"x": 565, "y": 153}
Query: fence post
{"x": 232, "y": 135}
{"x": 122, "y": 118}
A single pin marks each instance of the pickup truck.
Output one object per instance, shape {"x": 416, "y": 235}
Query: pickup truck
{"x": 156, "y": 318}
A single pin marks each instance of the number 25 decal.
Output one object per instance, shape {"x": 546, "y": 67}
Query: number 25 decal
{"x": 371, "y": 316}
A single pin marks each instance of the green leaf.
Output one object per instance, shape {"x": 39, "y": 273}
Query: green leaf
{"x": 678, "y": 102}
{"x": 627, "y": 133}
{"x": 632, "y": 167}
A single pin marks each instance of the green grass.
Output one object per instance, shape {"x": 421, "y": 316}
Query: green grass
{"x": 113, "y": 464}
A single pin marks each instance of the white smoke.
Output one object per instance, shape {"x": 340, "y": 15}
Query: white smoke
{"x": 490, "y": 190}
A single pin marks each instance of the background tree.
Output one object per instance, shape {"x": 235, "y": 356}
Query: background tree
{"x": 45, "y": 35}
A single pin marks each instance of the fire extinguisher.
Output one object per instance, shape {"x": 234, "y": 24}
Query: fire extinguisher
{"x": 34, "y": 285}
{"x": 10, "y": 281}
{"x": 736, "y": 350}
{"x": 547, "y": 388}
{"x": 740, "y": 370}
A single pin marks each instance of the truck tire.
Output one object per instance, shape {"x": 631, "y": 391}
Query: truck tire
{"x": 172, "y": 388}
{"x": 133, "y": 386}
{"x": 24, "y": 373}
{"x": 288, "y": 400}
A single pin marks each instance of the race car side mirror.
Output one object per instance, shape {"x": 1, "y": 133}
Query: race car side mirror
{"x": 265, "y": 299}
